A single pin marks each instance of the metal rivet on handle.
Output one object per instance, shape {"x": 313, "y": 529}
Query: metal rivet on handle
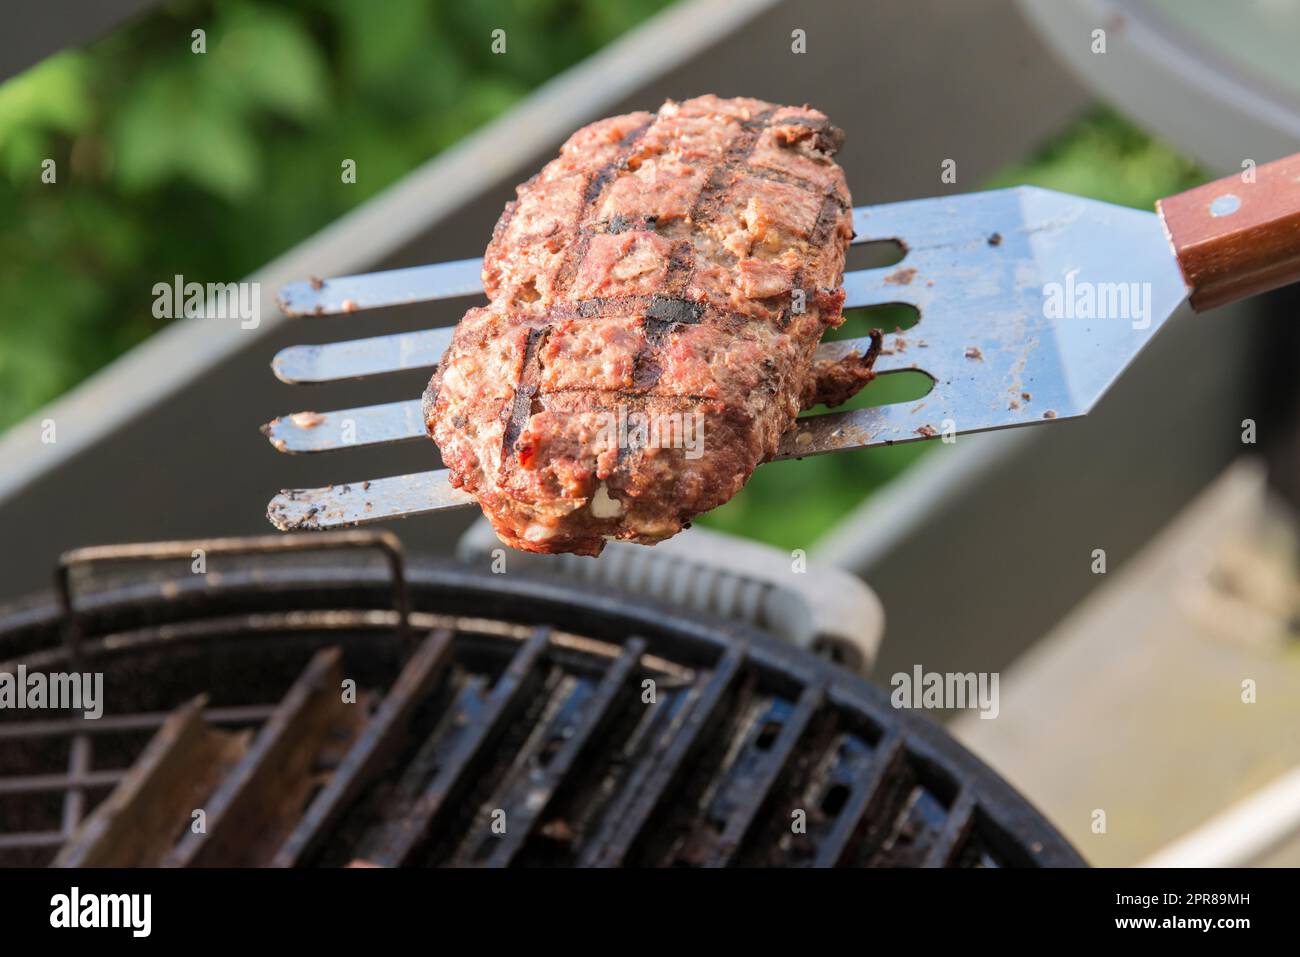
{"x": 1225, "y": 205}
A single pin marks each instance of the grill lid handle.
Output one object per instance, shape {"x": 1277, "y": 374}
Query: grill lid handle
{"x": 820, "y": 608}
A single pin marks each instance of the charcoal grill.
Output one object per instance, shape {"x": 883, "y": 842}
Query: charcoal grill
{"x": 499, "y": 720}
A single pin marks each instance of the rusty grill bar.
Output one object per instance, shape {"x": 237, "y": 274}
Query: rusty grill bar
{"x": 551, "y": 733}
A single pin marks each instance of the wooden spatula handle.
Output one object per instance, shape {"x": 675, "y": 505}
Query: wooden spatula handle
{"x": 1236, "y": 237}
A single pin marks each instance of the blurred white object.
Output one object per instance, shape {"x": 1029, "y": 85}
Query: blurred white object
{"x": 821, "y": 608}
{"x": 1244, "y": 833}
{"x": 1218, "y": 80}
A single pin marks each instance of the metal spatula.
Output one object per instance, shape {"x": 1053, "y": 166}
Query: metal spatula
{"x": 1031, "y": 303}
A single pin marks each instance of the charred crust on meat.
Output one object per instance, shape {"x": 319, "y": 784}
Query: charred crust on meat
{"x": 826, "y": 219}
{"x": 617, "y": 289}
{"x": 820, "y": 134}
{"x": 673, "y": 310}
{"x": 681, "y": 263}
{"x": 789, "y": 179}
{"x": 835, "y": 381}
{"x": 620, "y": 223}
{"x": 525, "y": 392}
{"x": 607, "y": 172}
{"x": 591, "y": 193}
{"x": 725, "y": 173}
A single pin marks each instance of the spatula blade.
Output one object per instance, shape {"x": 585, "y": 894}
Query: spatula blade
{"x": 1032, "y": 302}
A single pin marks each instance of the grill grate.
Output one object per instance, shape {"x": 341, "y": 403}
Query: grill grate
{"x": 527, "y": 738}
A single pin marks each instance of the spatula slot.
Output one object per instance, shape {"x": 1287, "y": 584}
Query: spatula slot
{"x": 874, "y": 254}
{"x": 887, "y": 317}
{"x": 887, "y": 388}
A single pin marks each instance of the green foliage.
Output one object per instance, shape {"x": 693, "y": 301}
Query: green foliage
{"x": 1104, "y": 157}
{"x": 211, "y": 164}
{"x": 46, "y": 100}
{"x": 196, "y": 118}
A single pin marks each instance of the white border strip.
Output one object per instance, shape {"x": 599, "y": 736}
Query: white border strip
{"x": 1243, "y": 834}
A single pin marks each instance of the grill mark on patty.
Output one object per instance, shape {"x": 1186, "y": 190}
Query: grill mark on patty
{"x": 664, "y": 313}
{"x": 826, "y": 217}
{"x": 618, "y": 223}
{"x": 681, "y": 264}
{"x": 638, "y": 402}
{"x": 601, "y": 307}
{"x": 657, "y": 305}
{"x": 530, "y": 371}
{"x": 525, "y": 392}
{"x": 789, "y": 179}
{"x": 661, "y": 311}
{"x": 673, "y": 309}
{"x": 577, "y": 252}
{"x": 723, "y": 175}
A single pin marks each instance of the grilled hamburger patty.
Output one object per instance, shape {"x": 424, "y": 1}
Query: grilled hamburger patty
{"x": 657, "y": 292}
